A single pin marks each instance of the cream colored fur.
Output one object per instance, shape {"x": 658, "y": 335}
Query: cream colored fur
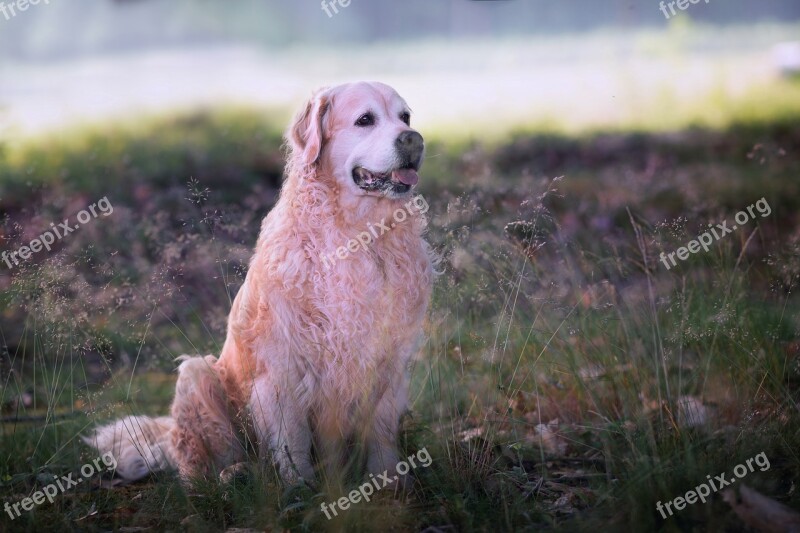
{"x": 139, "y": 444}
{"x": 313, "y": 353}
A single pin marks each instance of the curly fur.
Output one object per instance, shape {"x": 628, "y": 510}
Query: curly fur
{"x": 312, "y": 352}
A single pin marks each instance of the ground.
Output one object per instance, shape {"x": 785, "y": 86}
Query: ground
{"x": 570, "y": 380}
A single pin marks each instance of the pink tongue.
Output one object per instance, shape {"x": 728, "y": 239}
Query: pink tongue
{"x": 408, "y": 176}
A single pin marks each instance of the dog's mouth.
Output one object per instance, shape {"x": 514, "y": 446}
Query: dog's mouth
{"x": 398, "y": 181}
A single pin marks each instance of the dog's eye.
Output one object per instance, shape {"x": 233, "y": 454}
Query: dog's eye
{"x": 406, "y": 117}
{"x": 367, "y": 119}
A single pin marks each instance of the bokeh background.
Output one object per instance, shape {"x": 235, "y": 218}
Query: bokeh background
{"x": 497, "y": 64}
{"x": 569, "y": 380}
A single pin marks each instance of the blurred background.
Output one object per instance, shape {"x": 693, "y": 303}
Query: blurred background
{"x": 569, "y": 380}
{"x": 497, "y": 64}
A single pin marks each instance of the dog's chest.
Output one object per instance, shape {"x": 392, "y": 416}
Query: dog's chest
{"x": 370, "y": 317}
{"x": 373, "y": 303}
{"x": 375, "y": 294}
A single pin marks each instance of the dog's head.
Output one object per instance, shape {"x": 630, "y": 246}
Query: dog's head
{"x": 360, "y": 134}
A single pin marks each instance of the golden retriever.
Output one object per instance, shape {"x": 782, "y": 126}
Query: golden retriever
{"x": 318, "y": 341}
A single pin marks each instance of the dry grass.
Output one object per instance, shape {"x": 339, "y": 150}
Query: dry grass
{"x": 561, "y": 359}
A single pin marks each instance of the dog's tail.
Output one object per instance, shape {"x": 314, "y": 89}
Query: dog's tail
{"x": 139, "y": 444}
{"x": 200, "y": 436}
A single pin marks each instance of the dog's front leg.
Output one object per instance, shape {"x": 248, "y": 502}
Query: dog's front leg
{"x": 382, "y": 437}
{"x": 282, "y": 429}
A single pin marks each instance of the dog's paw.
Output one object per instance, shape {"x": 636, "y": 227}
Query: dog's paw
{"x": 234, "y": 472}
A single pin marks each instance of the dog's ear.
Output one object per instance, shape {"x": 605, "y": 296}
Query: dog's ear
{"x": 306, "y": 133}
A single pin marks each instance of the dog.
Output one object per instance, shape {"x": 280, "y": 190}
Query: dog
{"x": 316, "y": 355}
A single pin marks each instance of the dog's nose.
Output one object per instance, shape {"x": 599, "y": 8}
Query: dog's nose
{"x": 410, "y": 145}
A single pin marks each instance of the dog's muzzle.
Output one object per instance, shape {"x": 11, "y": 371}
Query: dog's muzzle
{"x": 410, "y": 148}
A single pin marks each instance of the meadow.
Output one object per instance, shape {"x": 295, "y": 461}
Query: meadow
{"x": 569, "y": 380}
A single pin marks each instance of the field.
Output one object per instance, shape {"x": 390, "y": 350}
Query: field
{"x": 570, "y": 380}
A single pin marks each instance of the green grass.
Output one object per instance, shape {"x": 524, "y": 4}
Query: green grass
{"x": 217, "y": 145}
{"x": 549, "y": 391}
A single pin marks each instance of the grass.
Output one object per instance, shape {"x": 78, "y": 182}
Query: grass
{"x": 569, "y": 380}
